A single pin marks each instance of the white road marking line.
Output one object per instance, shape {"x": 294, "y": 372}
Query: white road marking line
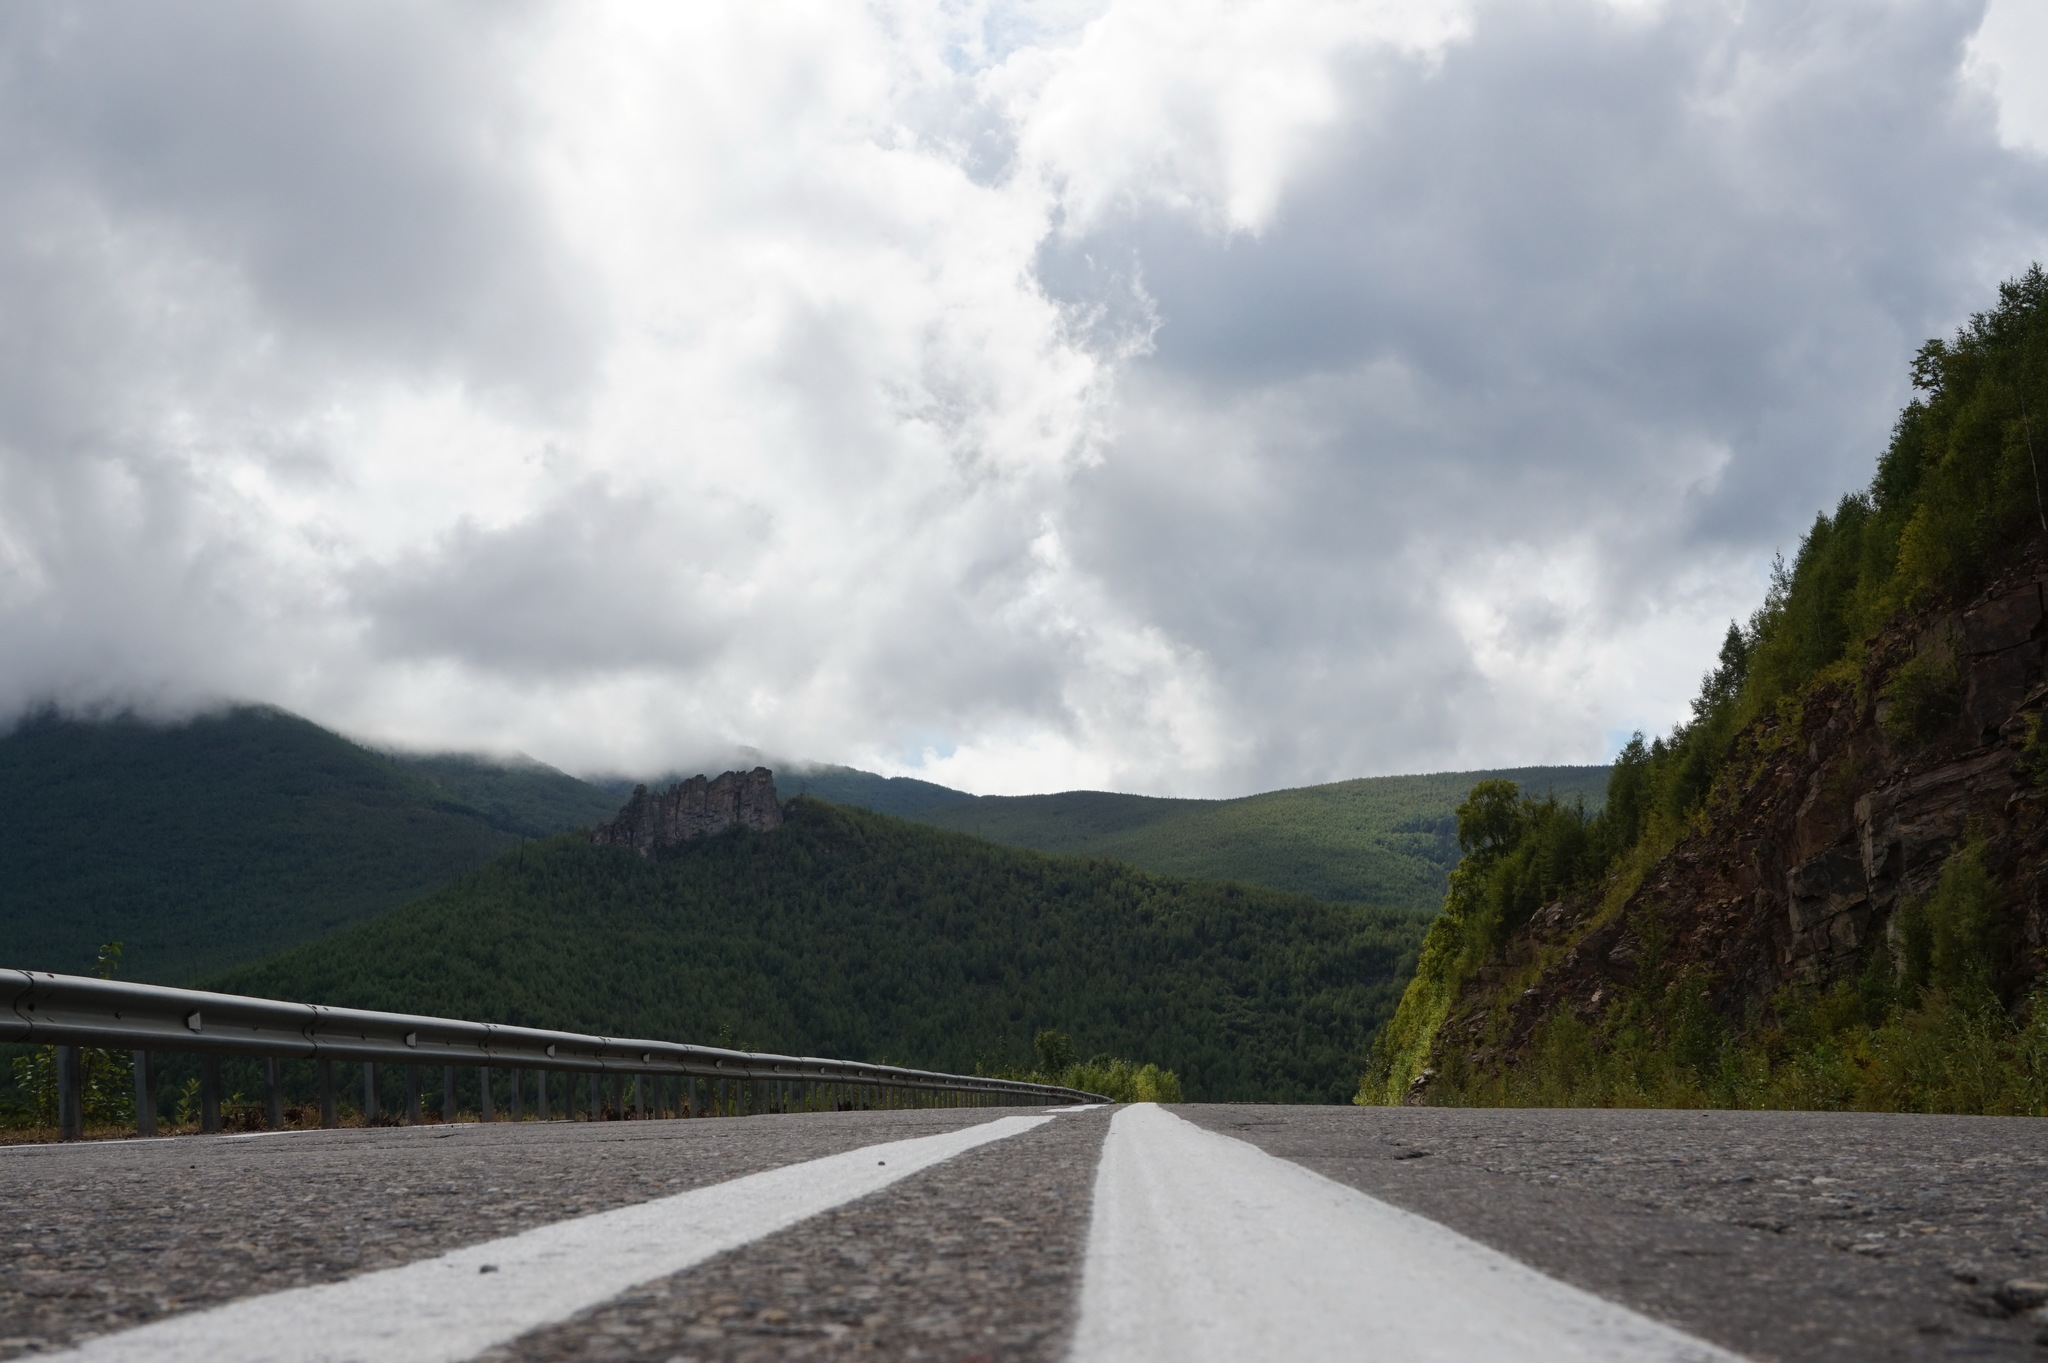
{"x": 1203, "y": 1247}
{"x": 454, "y": 1306}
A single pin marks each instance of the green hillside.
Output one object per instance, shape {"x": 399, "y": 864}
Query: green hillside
{"x": 235, "y": 835}
{"x": 1388, "y": 840}
{"x": 852, "y": 934}
{"x": 516, "y": 794}
{"x": 898, "y": 795}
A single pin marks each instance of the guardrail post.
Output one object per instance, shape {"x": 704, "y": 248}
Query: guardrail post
{"x": 447, "y": 1093}
{"x": 369, "y": 1092}
{"x": 412, "y": 1095}
{"x": 209, "y": 1094}
{"x": 639, "y": 1108}
{"x": 329, "y": 1116}
{"x": 70, "y": 1094}
{"x": 483, "y": 1089}
{"x": 273, "y": 1096}
{"x": 517, "y": 1078}
{"x": 540, "y": 1097}
{"x": 145, "y": 1094}
{"x": 596, "y": 1096}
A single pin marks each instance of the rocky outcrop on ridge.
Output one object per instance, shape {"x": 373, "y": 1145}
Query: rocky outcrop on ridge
{"x": 1835, "y": 821}
{"x": 692, "y": 809}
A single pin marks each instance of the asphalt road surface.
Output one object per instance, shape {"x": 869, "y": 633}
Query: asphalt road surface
{"x": 1107, "y": 1234}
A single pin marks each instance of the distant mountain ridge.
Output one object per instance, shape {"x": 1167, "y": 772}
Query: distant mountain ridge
{"x": 237, "y": 834}
{"x": 1385, "y": 840}
{"x": 903, "y": 796}
{"x": 232, "y": 835}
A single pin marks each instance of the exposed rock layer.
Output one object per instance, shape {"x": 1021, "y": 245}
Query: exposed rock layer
{"x": 691, "y": 809}
{"x": 1803, "y": 861}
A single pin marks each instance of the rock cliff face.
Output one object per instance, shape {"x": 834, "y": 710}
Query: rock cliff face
{"x": 691, "y": 809}
{"x": 1835, "y": 821}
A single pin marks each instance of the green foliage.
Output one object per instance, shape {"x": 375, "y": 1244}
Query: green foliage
{"x": 1056, "y": 1053}
{"x": 1386, "y": 840}
{"x": 1953, "y": 942}
{"x": 1122, "y": 1082}
{"x": 2032, "y": 764}
{"x": 853, "y": 934}
{"x": 1520, "y": 854}
{"x": 186, "y": 1111}
{"x": 1941, "y": 1052}
{"x": 109, "y": 1094}
{"x": 1491, "y": 820}
{"x": 1928, "y": 1035}
{"x": 1925, "y": 696}
{"x": 236, "y": 834}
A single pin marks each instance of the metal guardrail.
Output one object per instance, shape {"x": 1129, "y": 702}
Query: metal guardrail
{"x": 70, "y": 1011}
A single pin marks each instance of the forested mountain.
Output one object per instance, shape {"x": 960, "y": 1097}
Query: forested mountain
{"x": 236, "y": 834}
{"x": 516, "y": 794}
{"x": 1829, "y": 886}
{"x": 1388, "y": 840}
{"x": 853, "y": 934}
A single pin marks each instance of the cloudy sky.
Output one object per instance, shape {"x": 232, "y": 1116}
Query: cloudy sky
{"x": 1161, "y": 395}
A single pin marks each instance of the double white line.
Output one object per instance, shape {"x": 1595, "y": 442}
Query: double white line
{"x": 1201, "y": 1248}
